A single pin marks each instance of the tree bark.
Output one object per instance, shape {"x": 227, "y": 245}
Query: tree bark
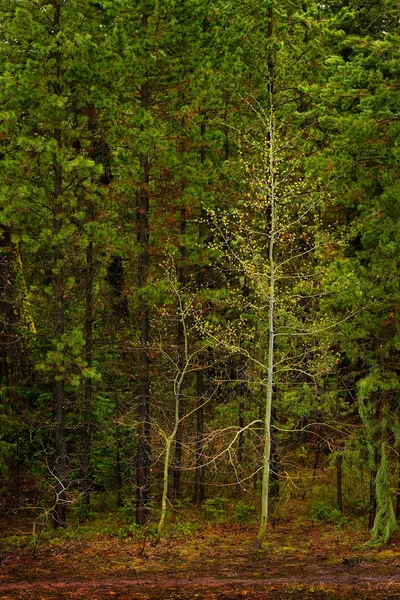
{"x": 241, "y": 433}
{"x": 180, "y": 343}
{"x": 339, "y": 473}
{"x": 60, "y": 458}
{"x": 118, "y": 468}
{"x": 372, "y": 492}
{"x": 143, "y": 431}
{"x": 86, "y": 482}
{"x": 274, "y": 488}
{"x": 271, "y": 219}
{"x": 398, "y": 494}
{"x": 199, "y": 493}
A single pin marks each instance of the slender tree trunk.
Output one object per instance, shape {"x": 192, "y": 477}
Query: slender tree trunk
{"x": 118, "y": 468}
{"x": 180, "y": 343}
{"x": 271, "y": 225}
{"x": 178, "y": 460}
{"x": 183, "y": 366}
{"x": 143, "y": 432}
{"x": 88, "y": 384}
{"x": 317, "y": 458}
{"x": 168, "y": 447}
{"x": 274, "y": 475}
{"x": 398, "y": 493}
{"x": 241, "y": 433}
{"x": 199, "y": 493}
{"x": 60, "y": 453}
{"x": 372, "y": 493}
{"x": 339, "y": 473}
{"x": 60, "y": 458}
{"x": 270, "y": 192}
{"x": 180, "y": 376}
{"x": 116, "y": 279}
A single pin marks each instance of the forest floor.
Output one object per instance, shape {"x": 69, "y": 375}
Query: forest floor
{"x": 299, "y": 560}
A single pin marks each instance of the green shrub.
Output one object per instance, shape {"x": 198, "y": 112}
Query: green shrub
{"x": 215, "y": 507}
{"x": 182, "y": 527}
{"x": 321, "y": 511}
{"x": 244, "y": 513}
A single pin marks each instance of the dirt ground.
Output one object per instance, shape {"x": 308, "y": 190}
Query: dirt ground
{"x": 298, "y": 561}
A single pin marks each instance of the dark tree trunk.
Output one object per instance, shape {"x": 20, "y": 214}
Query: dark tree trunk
{"x": 398, "y": 495}
{"x": 60, "y": 452}
{"x": 339, "y": 474}
{"x": 274, "y": 488}
{"x": 86, "y": 482}
{"x": 372, "y": 499}
{"x": 118, "y": 470}
{"x": 60, "y": 458}
{"x": 178, "y": 437}
{"x": 180, "y": 343}
{"x": 178, "y": 459}
{"x": 143, "y": 431}
{"x": 372, "y": 492}
{"x": 116, "y": 278}
{"x": 241, "y": 432}
{"x": 199, "y": 493}
{"x": 100, "y": 153}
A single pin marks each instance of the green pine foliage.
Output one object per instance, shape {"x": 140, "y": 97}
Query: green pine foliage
{"x": 134, "y": 207}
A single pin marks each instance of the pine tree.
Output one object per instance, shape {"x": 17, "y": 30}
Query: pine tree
{"x": 358, "y": 104}
{"x": 48, "y": 171}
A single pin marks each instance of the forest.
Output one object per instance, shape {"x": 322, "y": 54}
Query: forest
{"x": 199, "y": 263}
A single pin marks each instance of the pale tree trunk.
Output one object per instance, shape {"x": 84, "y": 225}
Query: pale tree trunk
{"x": 169, "y": 441}
{"x": 183, "y": 365}
{"x": 270, "y": 187}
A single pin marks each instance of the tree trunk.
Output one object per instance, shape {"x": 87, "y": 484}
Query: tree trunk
{"x": 398, "y": 494}
{"x": 143, "y": 431}
{"x": 181, "y": 345}
{"x": 372, "y": 493}
{"x": 241, "y": 433}
{"x": 339, "y": 473}
{"x": 86, "y": 482}
{"x": 199, "y": 494}
{"x": 178, "y": 461}
{"x": 60, "y": 453}
{"x": 274, "y": 488}
{"x": 60, "y": 458}
{"x": 118, "y": 468}
{"x": 270, "y": 193}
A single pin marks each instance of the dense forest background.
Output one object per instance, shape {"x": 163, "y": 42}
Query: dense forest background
{"x": 199, "y": 258}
